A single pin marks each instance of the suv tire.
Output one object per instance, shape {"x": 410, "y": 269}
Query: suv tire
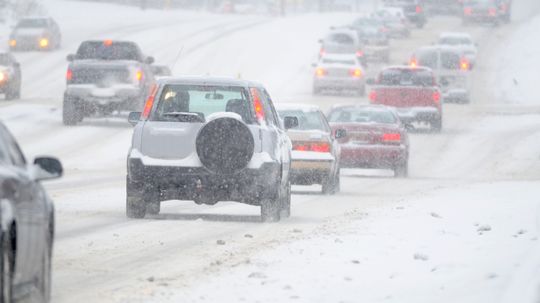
{"x": 70, "y": 112}
{"x": 286, "y": 202}
{"x": 135, "y": 205}
{"x": 6, "y": 270}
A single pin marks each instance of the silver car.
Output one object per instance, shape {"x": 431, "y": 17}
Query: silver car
{"x": 339, "y": 72}
{"x": 209, "y": 140}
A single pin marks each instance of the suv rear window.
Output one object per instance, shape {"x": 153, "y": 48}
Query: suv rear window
{"x": 364, "y": 115}
{"x": 307, "y": 120}
{"x": 406, "y": 77}
{"x": 32, "y": 23}
{"x": 108, "y": 51}
{"x": 450, "y": 60}
{"x": 201, "y": 101}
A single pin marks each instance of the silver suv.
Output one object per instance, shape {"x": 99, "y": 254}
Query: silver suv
{"x": 209, "y": 140}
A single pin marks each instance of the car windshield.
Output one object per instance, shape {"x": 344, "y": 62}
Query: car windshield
{"x": 338, "y": 61}
{"x": 406, "y": 77}
{"x": 356, "y": 115}
{"x": 307, "y": 120}
{"x": 201, "y": 101}
{"x": 32, "y": 23}
{"x": 108, "y": 51}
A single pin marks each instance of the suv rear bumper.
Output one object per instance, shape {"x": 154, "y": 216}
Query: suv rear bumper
{"x": 419, "y": 114}
{"x": 92, "y": 99}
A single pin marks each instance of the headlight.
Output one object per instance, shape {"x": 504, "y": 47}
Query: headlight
{"x": 3, "y": 76}
{"x": 43, "y": 42}
{"x": 12, "y": 42}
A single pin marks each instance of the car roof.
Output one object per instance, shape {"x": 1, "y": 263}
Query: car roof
{"x": 407, "y": 67}
{"x": 208, "y": 80}
{"x": 455, "y": 35}
{"x": 434, "y": 48}
{"x": 362, "y": 106}
{"x": 297, "y": 106}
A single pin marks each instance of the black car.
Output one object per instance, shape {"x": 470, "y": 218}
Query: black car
{"x": 10, "y": 76}
{"x": 26, "y": 221}
{"x": 40, "y": 33}
{"x": 105, "y": 77}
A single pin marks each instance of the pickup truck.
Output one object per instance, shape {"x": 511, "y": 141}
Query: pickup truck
{"x": 105, "y": 77}
{"x": 413, "y": 91}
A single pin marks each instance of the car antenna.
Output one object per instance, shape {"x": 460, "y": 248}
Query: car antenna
{"x": 177, "y": 58}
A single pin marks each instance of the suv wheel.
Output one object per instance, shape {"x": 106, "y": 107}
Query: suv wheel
{"x": 135, "y": 206}
{"x": 332, "y": 185}
{"x": 70, "y": 112}
{"x": 286, "y": 202}
{"x": 401, "y": 170}
{"x": 6, "y": 271}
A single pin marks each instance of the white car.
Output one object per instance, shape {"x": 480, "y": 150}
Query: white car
{"x": 339, "y": 72}
{"x": 394, "y": 20}
{"x": 462, "y": 41}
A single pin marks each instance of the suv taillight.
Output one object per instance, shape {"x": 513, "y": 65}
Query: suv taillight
{"x": 436, "y": 96}
{"x": 318, "y": 147}
{"x": 69, "y": 75}
{"x": 257, "y": 104}
{"x": 149, "y": 102}
{"x": 391, "y": 138}
{"x": 419, "y": 9}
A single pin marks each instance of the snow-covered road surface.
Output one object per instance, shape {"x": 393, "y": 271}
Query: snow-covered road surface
{"x": 463, "y": 227}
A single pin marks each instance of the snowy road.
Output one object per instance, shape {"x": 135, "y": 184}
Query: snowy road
{"x": 482, "y": 172}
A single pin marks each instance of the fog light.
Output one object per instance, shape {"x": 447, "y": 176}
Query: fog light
{"x": 3, "y": 77}
{"x": 44, "y": 42}
{"x": 12, "y": 42}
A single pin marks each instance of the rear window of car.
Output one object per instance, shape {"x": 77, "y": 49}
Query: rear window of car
{"x": 32, "y": 23}
{"x": 406, "y": 77}
{"x": 307, "y": 120}
{"x": 201, "y": 101}
{"x": 338, "y": 61}
{"x": 108, "y": 51}
{"x": 351, "y": 115}
{"x": 340, "y": 39}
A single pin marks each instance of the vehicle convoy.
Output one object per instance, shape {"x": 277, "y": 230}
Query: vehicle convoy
{"x": 394, "y": 20}
{"x": 343, "y": 41}
{"x": 413, "y": 91}
{"x": 339, "y": 72}
{"x": 26, "y": 223}
{"x": 105, "y": 77}
{"x": 35, "y": 33}
{"x": 10, "y": 76}
{"x": 492, "y": 11}
{"x": 375, "y": 138}
{"x": 414, "y": 10}
{"x": 376, "y": 44}
{"x": 451, "y": 68}
{"x": 209, "y": 140}
{"x": 316, "y": 152}
{"x": 462, "y": 41}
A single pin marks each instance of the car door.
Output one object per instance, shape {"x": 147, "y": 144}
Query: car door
{"x": 30, "y": 213}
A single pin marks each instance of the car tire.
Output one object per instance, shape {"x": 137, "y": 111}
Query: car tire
{"x": 286, "y": 202}
{"x": 436, "y": 125}
{"x": 46, "y": 276}
{"x": 332, "y": 185}
{"x": 6, "y": 270}
{"x": 152, "y": 202}
{"x": 135, "y": 205}
{"x": 71, "y": 114}
{"x": 271, "y": 206}
{"x": 402, "y": 170}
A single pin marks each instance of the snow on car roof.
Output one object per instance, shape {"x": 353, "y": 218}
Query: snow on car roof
{"x": 454, "y": 35}
{"x": 438, "y": 47}
{"x": 297, "y": 106}
{"x": 208, "y": 80}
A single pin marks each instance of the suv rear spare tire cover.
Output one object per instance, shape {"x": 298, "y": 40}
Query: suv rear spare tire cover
{"x": 225, "y": 145}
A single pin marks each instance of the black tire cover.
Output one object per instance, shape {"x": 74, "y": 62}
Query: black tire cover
{"x": 225, "y": 145}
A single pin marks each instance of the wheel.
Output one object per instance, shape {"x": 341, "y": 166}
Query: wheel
{"x": 6, "y": 269}
{"x": 135, "y": 205}
{"x": 286, "y": 202}
{"x": 46, "y": 277}
{"x": 402, "y": 170}
{"x": 152, "y": 202}
{"x": 436, "y": 125}
{"x": 272, "y": 206}
{"x": 332, "y": 185}
{"x": 71, "y": 114}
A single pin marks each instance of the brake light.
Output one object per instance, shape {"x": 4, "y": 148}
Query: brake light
{"x": 418, "y": 9}
{"x": 436, "y": 96}
{"x": 467, "y": 11}
{"x": 413, "y": 63}
{"x": 257, "y": 104}
{"x": 464, "y": 64}
{"x": 107, "y": 42}
{"x": 69, "y": 75}
{"x": 356, "y": 73}
{"x": 359, "y": 53}
{"x": 3, "y": 77}
{"x": 318, "y": 147}
{"x": 322, "y": 52}
{"x": 391, "y": 137}
{"x": 149, "y": 102}
{"x": 139, "y": 75}
{"x": 12, "y": 42}
{"x": 373, "y": 96}
{"x": 492, "y": 11}
{"x": 320, "y": 72}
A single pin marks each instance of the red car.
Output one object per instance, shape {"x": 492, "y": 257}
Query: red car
{"x": 413, "y": 91}
{"x": 375, "y": 137}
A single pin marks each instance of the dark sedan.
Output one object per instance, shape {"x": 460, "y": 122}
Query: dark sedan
{"x": 36, "y": 33}
{"x": 27, "y": 223}
{"x": 376, "y": 138}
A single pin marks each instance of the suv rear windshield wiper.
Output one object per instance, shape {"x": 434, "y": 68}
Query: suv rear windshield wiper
{"x": 184, "y": 117}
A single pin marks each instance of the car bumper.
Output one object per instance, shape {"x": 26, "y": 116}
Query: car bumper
{"x": 455, "y": 95}
{"x": 311, "y": 169}
{"x": 372, "y": 156}
{"x": 419, "y": 114}
{"x": 339, "y": 83}
{"x": 110, "y": 99}
{"x": 28, "y": 43}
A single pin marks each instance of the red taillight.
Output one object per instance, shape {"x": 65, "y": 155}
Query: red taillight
{"x": 322, "y": 52}
{"x": 107, "y": 42}
{"x": 257, "y": 104}
{"x": 149, "y": 102}
{"x": 69, "y": 75}
{"x": 467, "y": 11}
{"x": 464, "y": 64}
{"x": 436, "y": 96}
{"x": 359, "y": 53}
{"x": 356, "y": 73}
{"x": 3, "y": 77}
{"x": 492, "y": 12}
{"x": 318, "y": 147}
{"x": 320, "y": 72}
{"x": 391, "y": 137}
{"x": 373, "y": 96}
{"x": 418, "y": 9}
{"x": 139, "y": 75}
{"x": 413, "y": 62}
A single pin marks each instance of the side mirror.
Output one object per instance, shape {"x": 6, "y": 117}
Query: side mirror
{"x": 46, "y": 168}
{"x": 134, "y": 118}
{"x": 408, "y": 126}
{"x": 371, "y": 81}
{"x": 340, "y": 133}
{"x": 70, "y": 57}
{"x": 290, "y": 122}
{"x": 149, "y": 60}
